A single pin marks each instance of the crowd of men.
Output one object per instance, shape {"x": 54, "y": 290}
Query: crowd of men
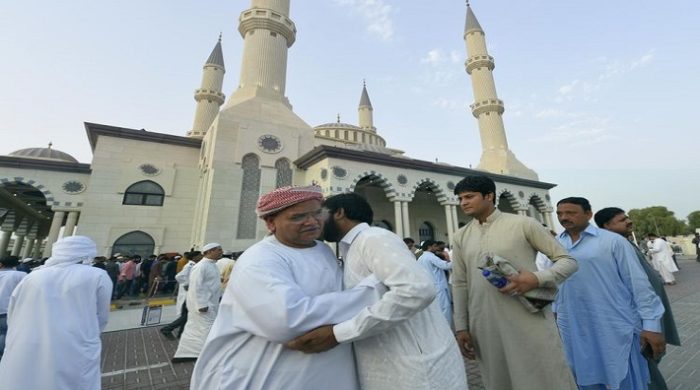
{"x": 376, "y": 314}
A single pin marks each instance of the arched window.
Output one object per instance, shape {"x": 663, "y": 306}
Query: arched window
{"x": 134, "y": 243}
{"x": 144, "y": 193}
{"x": 284, "y": 173}
{"x": 426, "y": 232}
{"x": 250, "y": 191}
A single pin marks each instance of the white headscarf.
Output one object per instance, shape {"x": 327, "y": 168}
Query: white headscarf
{"x": 73, "y": 249}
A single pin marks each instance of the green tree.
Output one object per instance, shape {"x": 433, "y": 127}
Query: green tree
{"x": 657, "y": 219}
{"x": 694, "y": 220}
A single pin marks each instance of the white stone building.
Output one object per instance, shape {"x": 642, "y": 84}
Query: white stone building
{"x": 147, "y": 192}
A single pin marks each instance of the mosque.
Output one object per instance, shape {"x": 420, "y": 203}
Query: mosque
{"x": 146, "y": 192}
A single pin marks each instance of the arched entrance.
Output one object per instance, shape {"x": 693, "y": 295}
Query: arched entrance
{"x": 134, "y": 243}
{"x": 426, "y": 231}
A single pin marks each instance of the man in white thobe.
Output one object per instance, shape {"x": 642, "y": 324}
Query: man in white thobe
{"x": 9, "y": 279}
{"x": 203, "y": 294}
{"x": 183, "y": 282}
{"x": 662, "y": 258}
{"x": 283, "y": 286}
{"x": 55, "y": 317}
{"x": 402, "y": 341}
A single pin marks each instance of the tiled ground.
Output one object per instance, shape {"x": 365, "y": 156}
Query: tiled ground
{"x": 140, "y": 358}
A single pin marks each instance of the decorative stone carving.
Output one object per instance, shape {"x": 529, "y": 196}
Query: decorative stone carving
{"x": 73, "y": 187}
{"x": 269, "y": 143}
{"x": 149, "y": 169}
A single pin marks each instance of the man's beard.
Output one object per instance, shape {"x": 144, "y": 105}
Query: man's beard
{"x": 331, "y": 233}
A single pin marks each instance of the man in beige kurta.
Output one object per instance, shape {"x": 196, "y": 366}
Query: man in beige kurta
{"x": 515, "y": 349}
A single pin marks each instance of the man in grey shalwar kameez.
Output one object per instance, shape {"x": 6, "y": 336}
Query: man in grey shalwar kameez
{"x": 516, "y": 349}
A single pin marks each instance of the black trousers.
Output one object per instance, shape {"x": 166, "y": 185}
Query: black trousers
{"x": 179, "y": 322}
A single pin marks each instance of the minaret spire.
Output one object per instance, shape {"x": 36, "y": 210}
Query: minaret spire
{"x": 209, "y": 96}
{"x": 488, "y": 108}
{"x": 268, "y": 33}
{"x": 366, "y": 117}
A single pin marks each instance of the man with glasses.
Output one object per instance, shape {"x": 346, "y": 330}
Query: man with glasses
{"x": 282, "y": 287}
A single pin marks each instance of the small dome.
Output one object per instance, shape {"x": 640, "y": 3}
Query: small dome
{"x": 337, "y": 125}
{"x": 44, "y": 154}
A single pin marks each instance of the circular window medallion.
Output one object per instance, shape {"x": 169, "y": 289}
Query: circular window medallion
{"x": 149, "y": 169}
{"x": 324, "y": 174}
{"x": 402, "y": 179}
{"x": 450, "y": 185}
{"x": 73, "y": 187}
{"x": 521, "y": 194}
{"x": 339, "y": 172}
{"x": 268, "y": 143}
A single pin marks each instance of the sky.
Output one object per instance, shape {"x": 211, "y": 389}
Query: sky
{"x": 600, "y": 96}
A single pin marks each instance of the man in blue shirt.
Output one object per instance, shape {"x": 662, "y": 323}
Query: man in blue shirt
{"x": 607, "y": 312}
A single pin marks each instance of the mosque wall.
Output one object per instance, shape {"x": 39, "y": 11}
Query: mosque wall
{"x": 119, "y": 163}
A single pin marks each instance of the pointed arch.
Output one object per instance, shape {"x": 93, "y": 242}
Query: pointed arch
{"x": 375, "y": 179}
{"x": 506, "y": 202}
{"x": 430, "y": 184}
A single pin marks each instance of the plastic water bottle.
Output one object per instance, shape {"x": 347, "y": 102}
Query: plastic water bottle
{"x": 498, "y": 281}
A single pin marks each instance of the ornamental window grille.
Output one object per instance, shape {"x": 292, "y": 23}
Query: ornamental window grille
{"x": 144, "y": 193}
{"x": 250, "y": 191}
{"x": 284, "y": 173}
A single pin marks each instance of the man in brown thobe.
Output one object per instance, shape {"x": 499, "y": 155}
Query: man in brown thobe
{"x": 516, "y": 349}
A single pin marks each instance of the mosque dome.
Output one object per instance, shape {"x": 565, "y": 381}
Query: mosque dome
{"x": 44, "y": 154}
{"x": 337, "y": 125}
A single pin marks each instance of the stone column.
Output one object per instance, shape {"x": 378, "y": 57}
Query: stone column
{"x": 56, "y": 224}
{"x": 398, "y": 222}
{"x": 523, "y": 213}
{"x": 37, "y": 247}
{"x": 18, "y": 246}
{"x": 548, "y": 218}
{"x": 404, "y": 217}
{"x": 27, "y": 252}
{"x": 448, "y": 222}
{"x": 455, "y": 218}
{"x": 4, "y": 241}
{"x": 70, "y": 224}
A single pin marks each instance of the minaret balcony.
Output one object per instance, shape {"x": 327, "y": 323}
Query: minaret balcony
{"x": 210, "y": 95}
{"x": 266, "y": 19}
{"x": 488, "y": 105}
{"x": 479, "y": 61}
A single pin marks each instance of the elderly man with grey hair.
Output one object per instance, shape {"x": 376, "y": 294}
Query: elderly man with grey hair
{"x": 203, "y": 294}
{"x": 55, "y": 318}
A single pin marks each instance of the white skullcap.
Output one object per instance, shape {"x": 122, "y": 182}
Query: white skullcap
{"x": 27, "y": 260}
{"x": 210, "y": 246}
{"x": 73, "y": 249}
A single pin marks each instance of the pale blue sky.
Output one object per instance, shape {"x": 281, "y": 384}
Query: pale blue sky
{"x": 600, "y": 95}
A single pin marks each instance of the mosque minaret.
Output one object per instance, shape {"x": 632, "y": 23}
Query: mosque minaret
{"x": 209, "y": 96}
{"x": 488, "y": 109}
{"x": 268, "y": 33}
{"x": 366, "y": 119}
{"x": 249, "y": 148}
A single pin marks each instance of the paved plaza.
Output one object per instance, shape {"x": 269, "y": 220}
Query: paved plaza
{"x": 140, "y": 358}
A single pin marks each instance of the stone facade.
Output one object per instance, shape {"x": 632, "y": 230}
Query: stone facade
{"x": 150, "y": 192}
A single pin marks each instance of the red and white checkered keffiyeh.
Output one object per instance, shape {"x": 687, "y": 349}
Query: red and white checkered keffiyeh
{"x": 284, "y": 197}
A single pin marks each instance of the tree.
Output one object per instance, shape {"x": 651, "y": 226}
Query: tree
{"x": 657, "y": 219}
{"x": 694, "y": 220}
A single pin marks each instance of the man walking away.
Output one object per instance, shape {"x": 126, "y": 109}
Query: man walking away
{"x": 55, "y": 318}
{"x": 9, "y": 279}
